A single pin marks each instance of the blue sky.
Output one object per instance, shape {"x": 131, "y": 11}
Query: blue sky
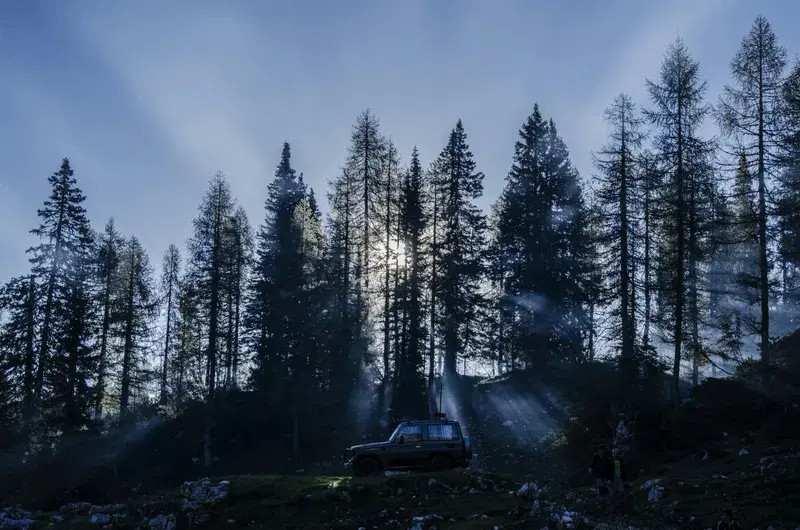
{"x": 149, "y": 99}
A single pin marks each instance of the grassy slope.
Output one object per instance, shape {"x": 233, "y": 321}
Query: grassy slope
{"x": 696, "y": 490}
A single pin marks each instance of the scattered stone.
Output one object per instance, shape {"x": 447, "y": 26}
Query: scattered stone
{"x": 107, "y": 509}
{"x": 75, "y": 508}
{"x": 162, "y": 522}
{"x": 202, "y": 493}
{"x": 16, "y": 518}
{"x": 99, "y": 518}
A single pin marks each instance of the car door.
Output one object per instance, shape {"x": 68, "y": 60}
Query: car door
{"x": 406, "y": 454}
{"x": 442, "y": 438}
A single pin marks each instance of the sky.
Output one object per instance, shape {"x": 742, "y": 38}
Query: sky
{"x": 148, "y": 99}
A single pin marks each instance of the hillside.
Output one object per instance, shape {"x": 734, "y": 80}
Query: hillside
{"x": 731, "y": 448}
{"x": 762, "y": 487}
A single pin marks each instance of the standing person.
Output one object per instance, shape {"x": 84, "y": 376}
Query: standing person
{"x": 620, "y": 475}
{"x": 608, "y": 465}
{"x": 598, "y": 469}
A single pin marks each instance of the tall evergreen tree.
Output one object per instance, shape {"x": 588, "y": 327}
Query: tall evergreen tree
{"x": 677, "y": 113}
{"x": 206, "y": 248}
{"x": 64, "y": 232}
{"x": 789, "y": 199}
{"x": 239, "y": 244}
{"x": 59, "y": 262}
{"x": 542, "y": 232}
{"x": 110, "y": 243}
{"x": 365, "y": 168}
{"x": 19, "y": 311}
{"x": 750, "y": 113}
{"x": 616, "y": 195}
{"x": 463, "y": 241}
{"x": 275, "y": 281}
{"x": 410, "y": 362}
{"x": 137, "y": 310}
{"x": 170, "y": 284}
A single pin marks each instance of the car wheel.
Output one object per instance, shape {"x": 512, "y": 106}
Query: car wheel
{"x": 366, "y": 467}
{"x": 440, "y": 463}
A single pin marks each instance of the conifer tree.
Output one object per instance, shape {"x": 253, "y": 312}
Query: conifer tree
{"x": 616, "y": 195}
{"x": 170, "y": 285}
{"x": 137, "y": 308}
{"x": 271, "y": 301}
{"x": 410, "y": 362}
{"x": 110, "y": 243}
{"x": 206, "y": 248}
{"x": 543, "y": 239}
{"x": 750, "y": 113}
{"x": 677, "y": 113}
{"x": 463, "y": 240}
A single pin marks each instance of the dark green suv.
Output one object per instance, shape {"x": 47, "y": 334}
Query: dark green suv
{"x": 428, "y": 445}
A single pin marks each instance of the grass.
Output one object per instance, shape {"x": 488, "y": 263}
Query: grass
{"x": 452, "y": 500}
{"x": 695, "y": 492}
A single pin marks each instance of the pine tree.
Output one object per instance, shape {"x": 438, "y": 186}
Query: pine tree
{"x": 789, "y": 199}
{"x": 463, "y": 241}
{"x": 364, "y": 166}
{"x": 110, "y": 242}
{"x": 64, "y": 230}
{"x": 677, "y": 114}
{"x": 19, "y": 307}
{"x": 750, "y": 114}
{"x": 170, "y": 284}
{"x": 59, "y": 264}
{"x": 206, "y": 248}
{"x": 544, "y": 241}
{"x": 649, "y": 184}
{"x": 275, "y": 281}
{"x": 410, "y": 362}
{"x": 388, "y": 222}
{"x": 616, "y": 194}
{"x": 239, "y": 244}
{"x": 137, "y": 310}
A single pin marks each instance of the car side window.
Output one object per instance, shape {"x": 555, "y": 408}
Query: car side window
{"x": 442, "y": 432}
{"x": 411, "y": 433}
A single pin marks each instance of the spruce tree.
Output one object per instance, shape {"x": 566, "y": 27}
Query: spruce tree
{"x": 137, "y": 310}
{"x": 206, "y": 248}
{"x": 275, "y": 281}
{"x": 110, "y": 243}
{"x": 462, "y": 245}
{"x": 409, "y": 376}
{"x": 616, "y": 194}
{"x": 543, "y": 239}
{"x": 60, "y": 264}
{"x": 170, "y": 285}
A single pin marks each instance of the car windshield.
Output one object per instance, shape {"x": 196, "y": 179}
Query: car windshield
{"x": 394, "y": 434}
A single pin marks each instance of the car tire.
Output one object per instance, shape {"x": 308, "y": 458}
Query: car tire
{"x": 440, "y": 463}
{"x": 367, "y": 467}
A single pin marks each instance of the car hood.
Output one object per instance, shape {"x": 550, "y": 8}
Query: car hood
{"x": 369, "y": 447}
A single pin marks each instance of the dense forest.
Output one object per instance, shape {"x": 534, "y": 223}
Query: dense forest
{"x": 679, "y": 255}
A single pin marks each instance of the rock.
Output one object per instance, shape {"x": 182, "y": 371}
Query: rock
{"x": 162, "y": 522}
{"x": 17, "y": 518}
{"x": 99, "y": 518}
{"x": 76, "y": 507}
{"x": 202, "y": 493}
{"x": 108, "y": 509}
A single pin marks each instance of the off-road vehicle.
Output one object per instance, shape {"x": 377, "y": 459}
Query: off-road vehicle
{"x": 427, "y": 445}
